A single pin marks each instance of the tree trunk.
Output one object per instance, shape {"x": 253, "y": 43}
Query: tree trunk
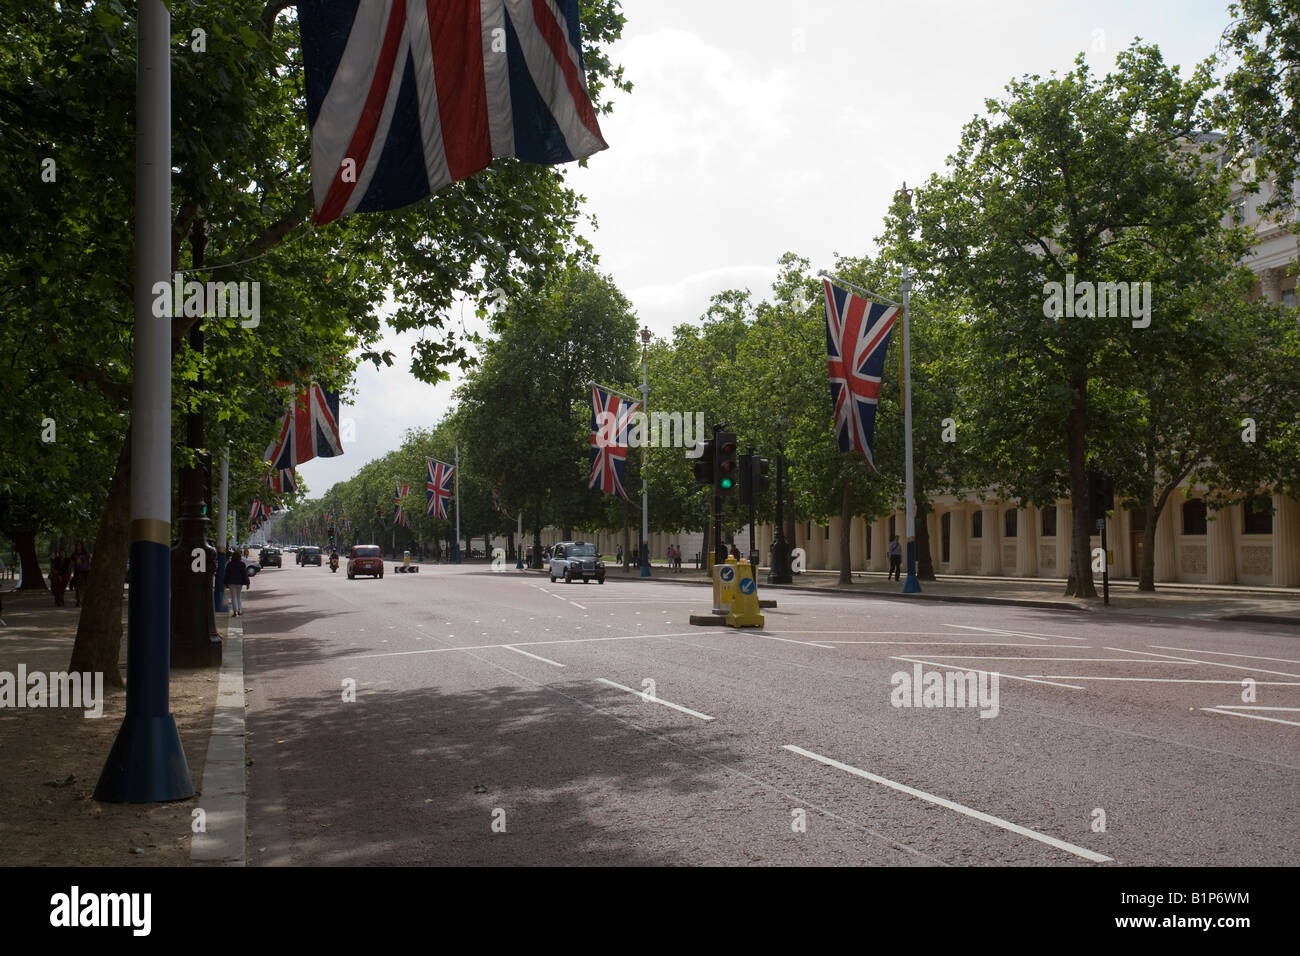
{"x": 846, "y": 526}
{"x": 98, "y": 645}
{"x": 1080, "y": 581}
{"x": 1147, "y": 574}
{"x": 924, "y": 559}
{"x": 31, "y": 577}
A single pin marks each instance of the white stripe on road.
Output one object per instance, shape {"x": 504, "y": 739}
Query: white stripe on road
{"x": 1253, "y": 657}
{"x": 1073, "y": 647}
{"x": 1192, "y": 660}
{"x": 536, "y": 657}
{"x": 1236, "y": 713}
{"x": 1169, "y": 680}
{"x": 484, "y": 647}
{"x": 957, "y": 807}
{"x": 1001, "y": 674}
{"x": 656, "y": 700}
{"x": 770, "y": 637}
{"x": 1254, "y": 707}
{"x": 1005, "y": 633}
{"x": 1032, "y": 660}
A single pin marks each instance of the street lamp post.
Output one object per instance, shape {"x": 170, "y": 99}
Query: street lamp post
{"x": 645, "y": 493}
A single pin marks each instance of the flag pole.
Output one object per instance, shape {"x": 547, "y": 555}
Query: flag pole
{"x": 645, "y": 493}
{"x": 147, "y": 763}
{"x": 458, "y": 503}
{"x": 911, "y": 585}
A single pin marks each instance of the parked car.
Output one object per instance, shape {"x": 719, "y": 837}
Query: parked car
{"x": 269, "y": 558}
{"x": 309, "y": 556}
{"x": 576, "y": 559}
{"x": 366, "y": 559}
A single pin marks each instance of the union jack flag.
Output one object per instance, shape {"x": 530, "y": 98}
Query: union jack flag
{"x": 309, "y": 429}
{"x": 405, "y": 96}
{"x": 282, "y": 480}
{"x": 857, "y": 335}
{"x": 260, "y": 513}
{"x": 403, "y": 490}
{"x": 439, "y": 487}
{"x": 611, "y": 416}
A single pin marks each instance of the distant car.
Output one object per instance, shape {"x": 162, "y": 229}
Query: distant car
{"x": 576, "y": 559}
{"x": 270, "y": 558}
{"x": 309, "y": 556}
{"x": 366, "y": 559}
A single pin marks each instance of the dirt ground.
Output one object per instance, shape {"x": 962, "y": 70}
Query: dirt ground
{"x": 51, "y": 758}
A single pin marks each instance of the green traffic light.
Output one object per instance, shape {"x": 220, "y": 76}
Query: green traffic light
{"x": 726, "y": 482}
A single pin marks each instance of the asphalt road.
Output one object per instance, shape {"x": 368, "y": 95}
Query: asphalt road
{"x": 501, "y": 719}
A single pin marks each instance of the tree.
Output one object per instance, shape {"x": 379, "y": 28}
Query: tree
{"x": 1068, "y": 178}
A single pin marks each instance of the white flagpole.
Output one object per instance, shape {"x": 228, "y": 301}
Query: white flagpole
{"x": 911, "y": 585}
{"x": 645, "y": 493}
{"x": 458, "y": 503}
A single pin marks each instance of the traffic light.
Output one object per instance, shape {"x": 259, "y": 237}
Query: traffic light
{"x": 1101, "y": 494}
{"x": 759, "y": 481}
{"x": 331, "y": 536}
{"x": 747, "y": 479}
{"x": 704, "y": 464}
{"x": 726, "y": 470}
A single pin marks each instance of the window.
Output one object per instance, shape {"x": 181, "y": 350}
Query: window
{"x": 1194, "y": 516}
{"x": 827, "y": 536}
{"x": 1137, "y": 519}
{"x": 892, "y": 530}
{"x": 1288, "y": 298}
{"x": 1256, "y": 516}
{"x": 1049, "y": 521}
{"x": 1009, "y": 522}
{"x": 977, "y": 524}
{"x": 868, "y": 537}
{"x": 945, "y": 534}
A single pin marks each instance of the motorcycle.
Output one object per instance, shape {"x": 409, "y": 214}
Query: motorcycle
{"x": 334, "y": 563}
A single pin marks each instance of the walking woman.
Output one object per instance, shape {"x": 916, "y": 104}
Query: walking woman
{"x": 236, "y": 579}
{"x": 58, "y": 576}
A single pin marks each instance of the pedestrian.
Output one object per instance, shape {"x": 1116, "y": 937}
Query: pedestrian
{"x": 895, "y": 553}
{"x": 619, "y": 557}
{"x": 80, "y": 570}
{"x": 677, "y": 559}
{"x": 670, "y": 554}
{"x": 735, "y": 551}
{"x": 58, "y": 576}
{"x": 237, "y": 579}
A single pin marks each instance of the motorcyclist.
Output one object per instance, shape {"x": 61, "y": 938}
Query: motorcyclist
{"x": 334, "y": 559}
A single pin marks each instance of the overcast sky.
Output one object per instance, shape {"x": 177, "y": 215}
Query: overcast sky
{"x": 757, "y": 127}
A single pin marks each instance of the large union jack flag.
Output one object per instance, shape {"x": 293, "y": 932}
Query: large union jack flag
{"x": 857, "y": 335}
{"x": 611, "y": 417}
{"x": 406, "y": 96}
{"x": 310, "y": 429}
{"x": 259, "y": 516}
{"x": 439, "y": 487}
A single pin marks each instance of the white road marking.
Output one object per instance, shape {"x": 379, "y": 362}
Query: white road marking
{"x": 1192, "y": 660}
{"x": 1001, "y": 674}
{"x": 957, "y": 807}
{"x": 1253, "y": 657}
{"x": 1073, "y": 647}
{"x": 536, "y": 657}
{"x": 484, "y": 647}
{"x": 656, "y": 700}
{"x": 1005, "y": 633}
{"x": 1254, "y": 707}
{"x": 770, "y": 637}
{"x": 1031, "y": 660}
{"x": 1237, "y": 713}
{"x": 1169, "y": 680}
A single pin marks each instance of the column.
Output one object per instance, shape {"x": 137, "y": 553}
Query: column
{"x": 879, "y": 561}
{"x": 1064, "y": 535}
{"x": 1119, "y": 541}
{"x": 1027, "y": 542}
{"x": 1286, "y": 542}
{"x": 858, "y": 543}
{"x": 1270, "y": 285}
{"x": 959, "y": 525}
{"x": 991, "y": 542}
{"x": 1166, "y": 543}
{"x": 1221, "y": 547}
{"x": 817, "y": 548}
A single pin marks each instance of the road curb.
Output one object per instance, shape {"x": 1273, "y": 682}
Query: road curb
{"x": 223, "y": 795}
